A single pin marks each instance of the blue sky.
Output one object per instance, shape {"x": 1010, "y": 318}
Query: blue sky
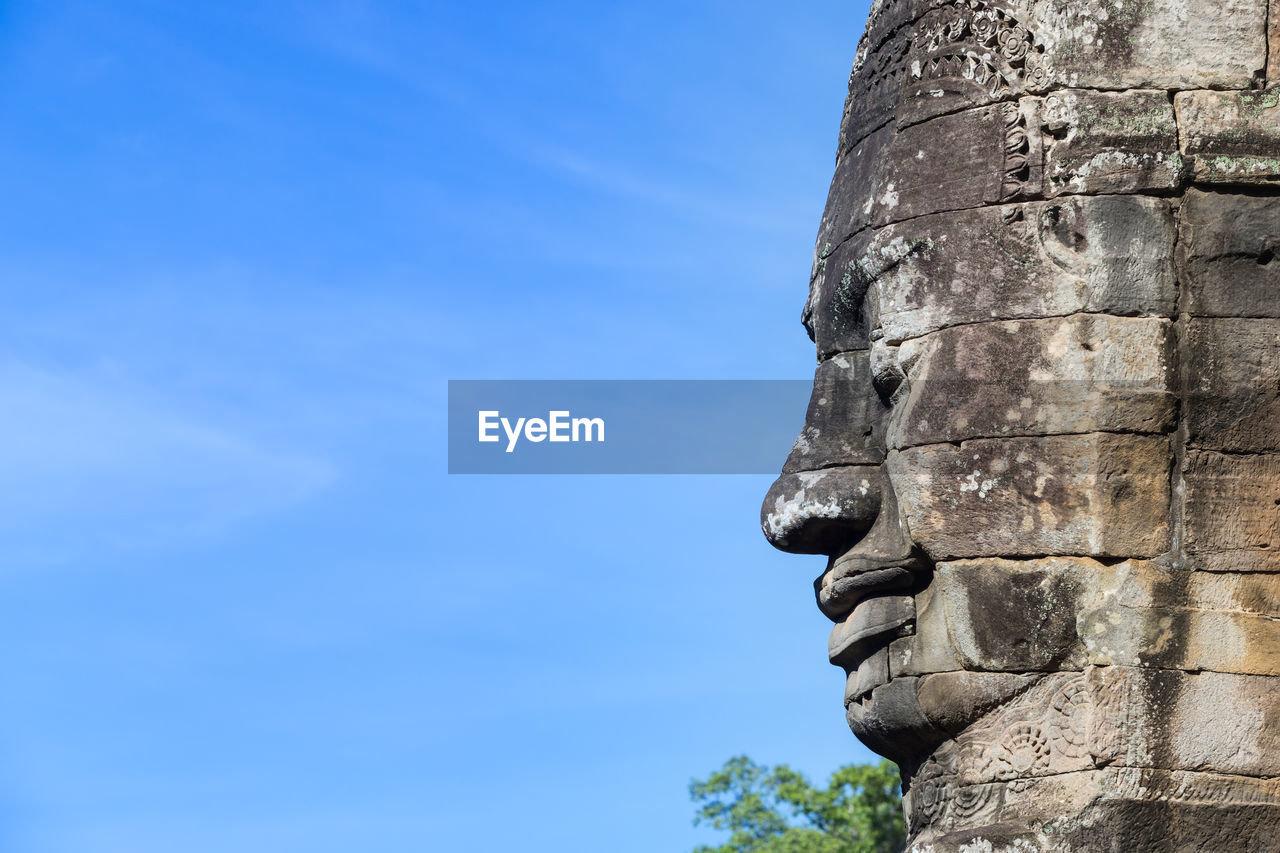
{"x": 242, "y": 606}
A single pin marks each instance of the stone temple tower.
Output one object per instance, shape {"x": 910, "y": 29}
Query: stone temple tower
{"x": 1042, "y": 455}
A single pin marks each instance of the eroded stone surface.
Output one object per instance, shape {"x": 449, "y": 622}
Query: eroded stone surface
{"x": 851, "y": 199}
{"x": 1110, "y": 142}
{"x": 844, "y": 423}
{"x": 1107, "y": 254}
{"x": 1155, "y": 44}
{"x": 1078, "y": 374}
{"x": 1233, "y": 511}
{"x": 1069, "y": 142}
{"x": 809, "y": 512}
{"x": 1233, "y": 384}
{"x": 1065, "y": 613}
{"x": 836, "y": 314}
{"x": 992, "y": 156}
{"x": 922, "y": 58}
{"x": 1046, "y": 293}
{"x": 1106, "y": 809}
{"x": 1094, "y": 495}
{"x": 1228, "y": 247}
{"x": 1232, "y": 137}
{"x": 1273, "y": 50}
{"x": 1189, "y": 709}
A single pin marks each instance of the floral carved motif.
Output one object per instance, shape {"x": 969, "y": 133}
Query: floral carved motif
{"x": 984, "y": 43}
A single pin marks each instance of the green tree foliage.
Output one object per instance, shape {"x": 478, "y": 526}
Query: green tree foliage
{"x": 776, "y": 810}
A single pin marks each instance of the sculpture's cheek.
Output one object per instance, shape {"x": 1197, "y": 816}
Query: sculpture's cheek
{"x": 1097, "y": 495}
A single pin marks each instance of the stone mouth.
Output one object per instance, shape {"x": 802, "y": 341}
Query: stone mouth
{"x": 854, "y": 577}
{"x": 869, "y": 627}
{"x": 870, "y": 597}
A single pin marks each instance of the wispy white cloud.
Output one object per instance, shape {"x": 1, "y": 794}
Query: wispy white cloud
{"x": 353, "y": 33}
{"x": 92, "y": 461}
{"x": 673, "y": 195}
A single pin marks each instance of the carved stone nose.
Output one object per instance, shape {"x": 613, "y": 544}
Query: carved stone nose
{"x": 830, "y": 491}
{"x": 821, "y": 512}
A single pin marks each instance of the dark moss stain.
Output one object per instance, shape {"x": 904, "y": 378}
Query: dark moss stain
{"x": 1118, "y": 33}
{"x": 1157, "y": 691}
{"x": 1023, "y": 619}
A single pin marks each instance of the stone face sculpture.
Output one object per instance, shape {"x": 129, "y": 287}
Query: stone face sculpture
{"x": 1043, "y": 449}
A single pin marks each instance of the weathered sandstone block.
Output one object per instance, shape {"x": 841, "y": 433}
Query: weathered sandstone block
{"x": 1094, "y": 495}
{"x": 1017, "y": 616}
{"x": 1068, "y": 722}
{"x": 1078, "y": 374}
{"x": 1233, "y": 379}
{"x": 1231, "y": 137}
{"x": 1232, "y": 515}
{"x": 1110, "y": 142}
{"x": 1108, "y": 254}
{"x": 992, "y": 156}
{"x": 850, "y": 201}
{"x": 1195, "y": 730}
{"x": 1071, "y": 722}
{"x": 1070, "y": 142}
{"x": 1273, "y": 50}
{"x": 1147, "y": 615}
{"x": 1105, "y": 809}
{"x": 1182, "y": 638}
{"x": 1065, "y": 613}
{"x": 1156, "y": 44}
{"x": 922, "y": 58}
{"x": 1227, "y": 246}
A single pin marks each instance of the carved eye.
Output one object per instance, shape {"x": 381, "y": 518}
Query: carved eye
{"x": 806, "y": 317}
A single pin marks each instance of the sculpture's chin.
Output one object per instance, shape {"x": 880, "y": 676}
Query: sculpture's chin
{"x": 907, "y": 718}
{"x": 891, "y": 721}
